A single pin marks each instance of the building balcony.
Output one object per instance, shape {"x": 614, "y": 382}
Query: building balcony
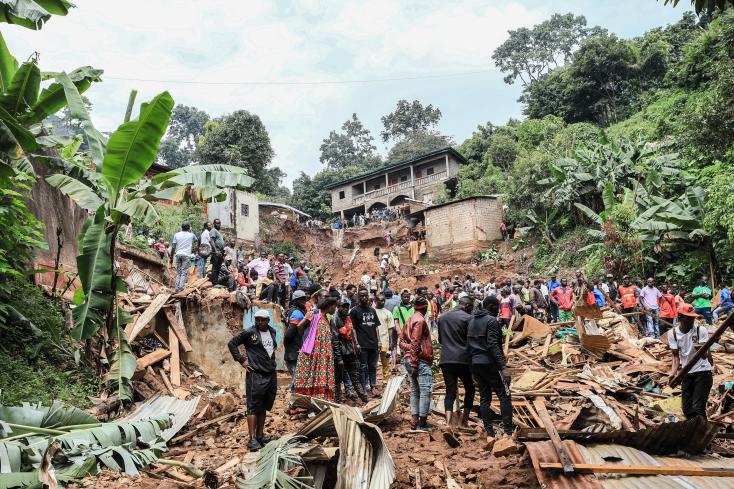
{"x": 398, "y": 187}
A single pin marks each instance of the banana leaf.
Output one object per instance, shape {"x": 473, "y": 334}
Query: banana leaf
{"x": 95, "y": 273}
{"x": 77, "y": 191}
{"x": 24, "y": 137}
{"x": 32, "y": 14}
{"x": 269, "y": 469}
{"x": 8, "y": 65}
{"x": 77, "y": 110}
{"x": 23, "y": 89}
{"x": 53, "y": 98}
{"x": 133, "y": 147}
{"x": 39, "y": 416}
{"x": 122, "y": 366}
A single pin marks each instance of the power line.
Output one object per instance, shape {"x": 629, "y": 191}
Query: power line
{"x": 315, "y": 82}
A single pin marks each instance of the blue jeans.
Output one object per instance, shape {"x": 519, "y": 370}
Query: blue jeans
{"x": 705, "y": 312}
{"x": 201, "y": 266}
{"x": 368, "y": 361}
{"x": 421, "y": 388}
{"x": 721, "y": 310}
{"x": 653, "y": 325}
{"x": 183, "y": 262}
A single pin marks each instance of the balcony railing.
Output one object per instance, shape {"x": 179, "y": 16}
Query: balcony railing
{"x": 361, "y": 199}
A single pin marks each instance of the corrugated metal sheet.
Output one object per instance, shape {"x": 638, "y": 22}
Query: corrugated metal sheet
{"x": 623, "y": 455}
{"x": 364, "y": 460}
{"x": 389, "y": 399}
{"x": 180, "y": 411}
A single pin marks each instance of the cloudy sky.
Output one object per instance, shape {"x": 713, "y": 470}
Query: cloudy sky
{"x": 224, "y": 55}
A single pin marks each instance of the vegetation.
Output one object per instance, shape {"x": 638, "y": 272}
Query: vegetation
{"x": 629, "y": 141}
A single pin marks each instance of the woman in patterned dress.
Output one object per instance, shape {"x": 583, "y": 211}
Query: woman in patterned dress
{"x": 315, "y": 371}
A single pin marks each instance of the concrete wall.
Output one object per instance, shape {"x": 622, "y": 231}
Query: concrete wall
{"x": 55, "y": 211}
{"x": 230, "y": 211}
{"x": 463, "y": 227}
{"x": 208, "y": 334}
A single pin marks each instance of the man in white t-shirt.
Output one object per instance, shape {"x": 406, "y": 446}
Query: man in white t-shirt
{"x": 183, "y": 242}
{"x": 205, "y": 249}
{"x": 684, "y": 340}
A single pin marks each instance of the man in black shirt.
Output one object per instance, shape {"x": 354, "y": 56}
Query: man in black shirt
{"x": 454, "y": 362}
{"x": 261, "y": 384}
{"x": 346, "y": 362}
{"x": 217, "y": 257}
{"x": 488, "y": 365}
{"x": 365, "y": 323}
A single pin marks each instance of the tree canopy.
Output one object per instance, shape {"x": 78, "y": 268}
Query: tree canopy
{"x": 352, "y": 146}
{"x": 408, "y": 119}
{"x": 179, "y": 146}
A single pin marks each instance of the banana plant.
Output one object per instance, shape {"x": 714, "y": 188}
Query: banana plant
{"x": 32, "y": 14}
{"x": 115, "y": 191}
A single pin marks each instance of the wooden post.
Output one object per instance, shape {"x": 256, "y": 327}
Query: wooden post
{"x": 175, "y": 361}
{"x": 550, "y": 428}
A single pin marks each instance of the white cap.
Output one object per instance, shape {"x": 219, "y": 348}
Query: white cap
{"x": 262, "y": 313}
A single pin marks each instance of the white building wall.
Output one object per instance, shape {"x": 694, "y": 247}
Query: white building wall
{"x": 239, "y": 214}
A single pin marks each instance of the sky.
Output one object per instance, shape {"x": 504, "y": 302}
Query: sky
{"x": 304, "y": 67}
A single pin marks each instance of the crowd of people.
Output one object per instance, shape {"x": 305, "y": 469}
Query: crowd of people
{"x": 340, "y": 336}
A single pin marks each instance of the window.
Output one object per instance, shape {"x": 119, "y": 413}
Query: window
{"x": 418, "y": 174}
{"x": 404, "y": 178}
{"x": 244, "y": 210}
{"x": 429, "y": 171}
{"x": 341, "y": 194}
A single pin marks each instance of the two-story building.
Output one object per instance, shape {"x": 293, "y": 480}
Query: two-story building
{"x": 418, "y": 179}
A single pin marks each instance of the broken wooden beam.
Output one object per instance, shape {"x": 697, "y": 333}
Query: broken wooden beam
{"x": 177, "y": 326}
{"x": 682, "y": 470}
{"x": 133, "y": 329}
{"x": 152, "y": 358}
{"x": 175, "y": 360}
{"x": 550, "y": 428}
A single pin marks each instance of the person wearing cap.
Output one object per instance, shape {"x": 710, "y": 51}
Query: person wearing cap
{"x": 415, "y": 341}
{"x": 261, "y": 384}
{"x": 684, "y": 340}
{"x": 366, "y": 325}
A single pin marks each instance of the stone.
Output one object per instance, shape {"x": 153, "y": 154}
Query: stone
{"x": 223, "y": 404}
{"x": 504, "y": 447}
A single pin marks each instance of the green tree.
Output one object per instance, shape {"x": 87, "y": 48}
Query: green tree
{"x": 409, "y": 119}
{"x": 418, "y": 144}
{"x": 178, "y": 147}
{"x": 528, "y": 54}
{"x": 352, "y": 146}
{"x": 240, "y": 139}
{"x": 473, "y": 149}
{"x": 704, "y": 5}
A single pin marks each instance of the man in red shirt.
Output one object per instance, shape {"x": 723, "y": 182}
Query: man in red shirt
{"x": 668, "y": 309}
{"x": 415, "y": 342}
{"x": 563, "y": 297}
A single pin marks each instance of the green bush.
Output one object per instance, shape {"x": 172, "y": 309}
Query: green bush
{"x": 287, "y": 247}
{"x": 36, "y": 355}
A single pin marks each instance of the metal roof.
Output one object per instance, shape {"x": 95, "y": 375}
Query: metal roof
{"x": 436, "y": 206}
{"x": 181, "y": 412}
{"x": 364, "y": 460}
{"x": 394, "y": 166}
{"x": 623, "y": 455}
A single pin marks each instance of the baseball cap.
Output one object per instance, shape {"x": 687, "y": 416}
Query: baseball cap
{"x": 687, "y": 310}
{"x": 262, "y": 313}
{"x": 299, "y": 294}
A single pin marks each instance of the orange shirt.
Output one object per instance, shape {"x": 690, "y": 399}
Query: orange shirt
{"x": 628, "y": 295}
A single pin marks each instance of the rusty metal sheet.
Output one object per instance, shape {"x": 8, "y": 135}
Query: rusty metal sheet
{"x": 544, "y": 451}
{"x": 180, "y": 411}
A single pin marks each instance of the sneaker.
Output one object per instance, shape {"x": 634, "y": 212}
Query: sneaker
{"x": 264, "y": 440}
{"x": 351, "y": 395}
{"x": 365, "y": 398}
{"x": 253, "y": 445}
{"x": 423, "y": 427}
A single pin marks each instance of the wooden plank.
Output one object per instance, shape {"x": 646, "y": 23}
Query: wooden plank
{"x": 225, "y": 417}
{"x": 146, "y": 317}
{"x": 177, "y": 326}
{"x": 175, "y": 361}
{"x": 567, "y": 464}
{"x": 167, "y": 383}
{"x": 546, "y": 345}
{"x": 152, "y": 358}
{"x": 643, "y": 469}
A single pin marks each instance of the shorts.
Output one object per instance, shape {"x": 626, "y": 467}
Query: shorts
{"x": 260, "y": 391}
